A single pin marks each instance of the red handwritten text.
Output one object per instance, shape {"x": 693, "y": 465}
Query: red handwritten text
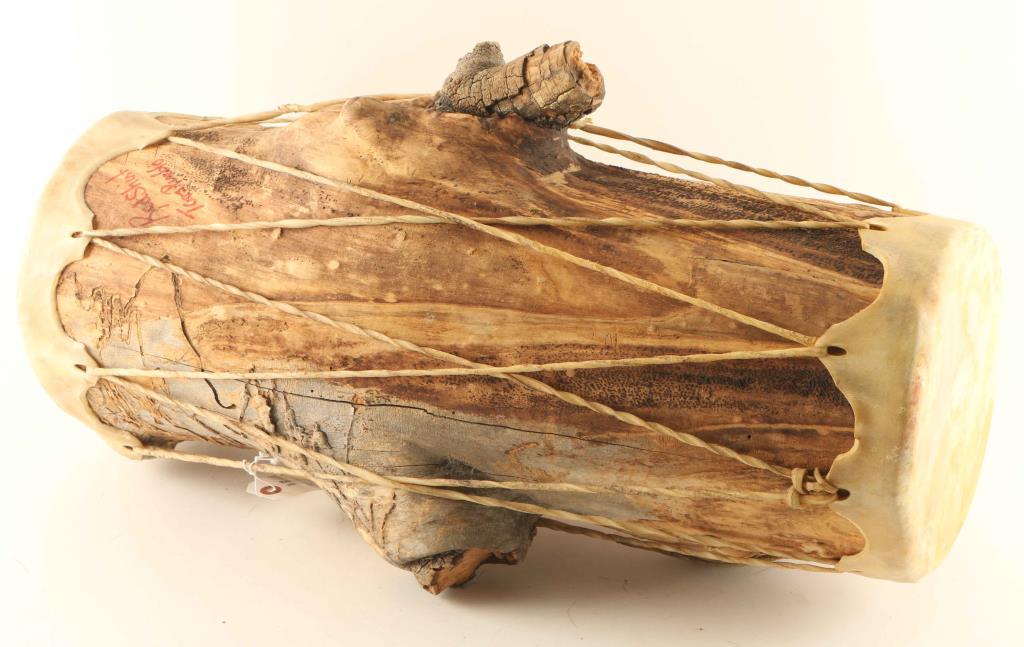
{"x": 138, "y": 197}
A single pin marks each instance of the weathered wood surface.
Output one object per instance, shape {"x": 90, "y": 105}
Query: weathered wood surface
{"x": 550, "y": 86}
{"x": 458, "y": 290}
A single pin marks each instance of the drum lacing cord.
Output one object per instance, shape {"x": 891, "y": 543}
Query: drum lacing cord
{"x": 651, "y": 222}
{"x": 588, "y": 126}
{"x": 531, "y": 383}
{"x": 490, "y": 371}
{"x": 802, "y": 490}
{"x": 698, "y": 545}
{"x": 502, "y": 234}
{"x": 260, "y": 465}
{"x": 444, "y": 216}
{"x": 796, "y": 496}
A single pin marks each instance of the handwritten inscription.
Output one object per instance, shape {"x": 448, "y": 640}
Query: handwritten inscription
{"x": 138, "y": 197}
{"x": 148, "y": 211}
{"x": 171, "y": 185}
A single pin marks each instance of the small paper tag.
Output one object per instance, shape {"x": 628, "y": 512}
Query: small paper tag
{"x": 273, "y": 486}
{"x": 267, "y": 486}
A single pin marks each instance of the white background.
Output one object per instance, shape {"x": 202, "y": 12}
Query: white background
{"x": 916, "y": 101}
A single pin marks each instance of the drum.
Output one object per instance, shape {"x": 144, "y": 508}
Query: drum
{"x": 440, "y": 312}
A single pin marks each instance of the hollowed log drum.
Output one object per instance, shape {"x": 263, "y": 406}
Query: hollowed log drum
{"x": 809, "y": 395}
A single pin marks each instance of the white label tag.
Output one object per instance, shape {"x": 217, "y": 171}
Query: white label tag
{"x": 273, "y": 486}
{"x": 268, "y": 486}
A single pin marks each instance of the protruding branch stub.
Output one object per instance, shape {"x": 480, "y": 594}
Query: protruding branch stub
{"x": 550, "y": 86}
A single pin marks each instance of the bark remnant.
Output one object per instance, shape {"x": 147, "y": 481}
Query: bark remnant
{"x": 550, "y": 86}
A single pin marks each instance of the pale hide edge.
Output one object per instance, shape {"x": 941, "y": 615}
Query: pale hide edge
{"x": 61, "y": 212}
{"x": 919, "y": 374}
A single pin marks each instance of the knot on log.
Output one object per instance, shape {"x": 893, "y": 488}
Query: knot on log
{"x": 550, "y": 86}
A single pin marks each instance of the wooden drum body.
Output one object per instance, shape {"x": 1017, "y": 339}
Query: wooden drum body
{"x": 846, "y": 435}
